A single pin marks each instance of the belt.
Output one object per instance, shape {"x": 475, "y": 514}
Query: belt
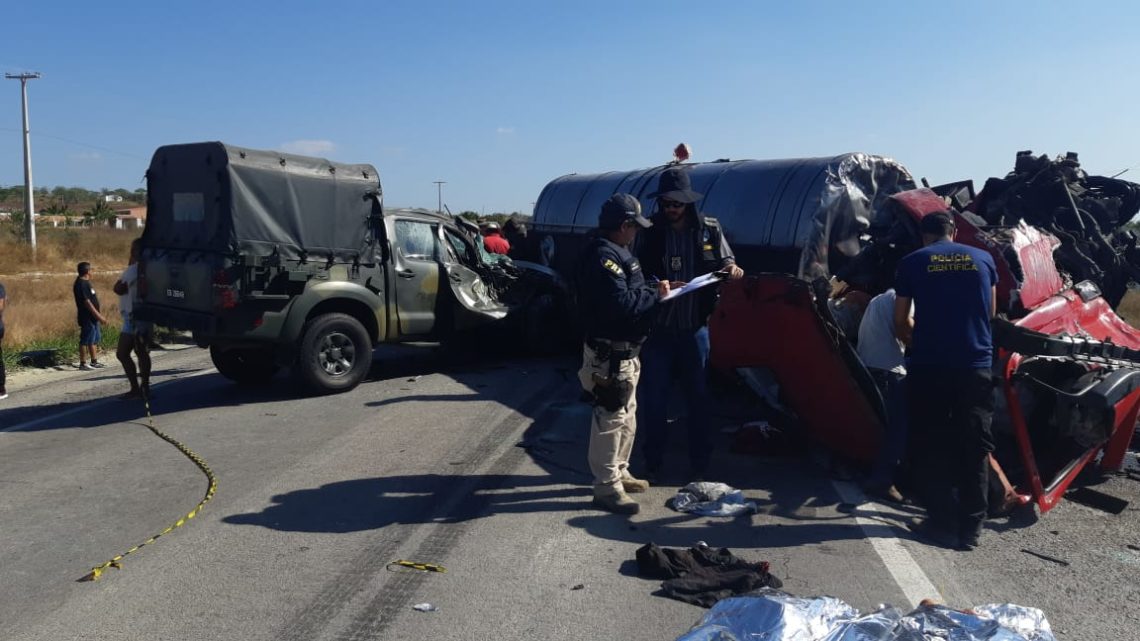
{"x": 622, "y": 349}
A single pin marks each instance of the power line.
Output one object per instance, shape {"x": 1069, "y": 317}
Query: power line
{"x": 81, "y": 144}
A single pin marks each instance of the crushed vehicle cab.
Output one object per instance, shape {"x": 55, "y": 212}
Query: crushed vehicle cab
{"x": 819, "y": 237}
{"x": 275, "y": 260}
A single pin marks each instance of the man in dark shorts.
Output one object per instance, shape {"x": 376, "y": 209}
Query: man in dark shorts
{"x": 88, "y": 316}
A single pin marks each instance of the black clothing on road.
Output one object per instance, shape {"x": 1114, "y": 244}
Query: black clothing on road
{"x": 702, "y": 575}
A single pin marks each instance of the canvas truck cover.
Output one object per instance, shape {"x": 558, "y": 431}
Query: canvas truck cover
{"x": 213, "y": 196}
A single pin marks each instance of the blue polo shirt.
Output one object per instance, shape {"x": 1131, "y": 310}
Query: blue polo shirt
{"x": 951, "y": 285}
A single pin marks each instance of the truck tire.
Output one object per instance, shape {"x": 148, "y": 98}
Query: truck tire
{"x": 244, "y": 365}
{"x": 334, "y": 355}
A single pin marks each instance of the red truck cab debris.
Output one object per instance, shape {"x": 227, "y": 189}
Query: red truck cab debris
{"x": 1068, "y": 366}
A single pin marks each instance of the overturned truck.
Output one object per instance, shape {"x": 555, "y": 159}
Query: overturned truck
{"x": 819, "y": 237}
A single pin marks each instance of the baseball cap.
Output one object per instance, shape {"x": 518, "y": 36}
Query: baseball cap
{"x": 620, "y": 208}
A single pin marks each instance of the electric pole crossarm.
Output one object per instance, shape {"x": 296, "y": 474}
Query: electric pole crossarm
{"x": 439, "y": 192}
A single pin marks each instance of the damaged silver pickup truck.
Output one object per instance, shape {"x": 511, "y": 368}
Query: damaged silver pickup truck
{"x": 275, "y": 261}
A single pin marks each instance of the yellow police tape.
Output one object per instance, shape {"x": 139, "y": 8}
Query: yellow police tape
{"x": 116, "y": 562}
{"x": 423, "y": 567}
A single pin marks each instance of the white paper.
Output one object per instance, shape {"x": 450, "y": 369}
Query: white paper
{"x": 711, "y": 278}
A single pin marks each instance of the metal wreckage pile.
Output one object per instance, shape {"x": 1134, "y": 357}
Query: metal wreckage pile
{"x": 1068, "y": 366}
{"x": 1087, "y": 213}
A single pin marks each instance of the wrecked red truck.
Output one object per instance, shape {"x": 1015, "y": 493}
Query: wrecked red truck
{"x": 819, "y": 237}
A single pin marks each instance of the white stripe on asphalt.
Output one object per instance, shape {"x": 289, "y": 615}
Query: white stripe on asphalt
{"x": 910, "y": 578}
{"x": 86, "y": 407}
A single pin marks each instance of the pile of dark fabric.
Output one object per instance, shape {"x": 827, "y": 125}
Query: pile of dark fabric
{"x": 1087, "y": 213}
{"x": 702, "y": 575}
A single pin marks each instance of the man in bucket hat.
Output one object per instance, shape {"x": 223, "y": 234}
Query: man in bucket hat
{"x": 617, "y": 307}
{"x": 681, "y": 245}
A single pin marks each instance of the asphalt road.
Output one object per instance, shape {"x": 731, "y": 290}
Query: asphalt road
{"x": 422, "y": 462}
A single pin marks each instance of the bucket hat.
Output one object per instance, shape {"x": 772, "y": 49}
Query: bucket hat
{"x": 674, "y": 184}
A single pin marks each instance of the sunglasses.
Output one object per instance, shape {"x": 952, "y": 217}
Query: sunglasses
{"x": 670, "y": 204}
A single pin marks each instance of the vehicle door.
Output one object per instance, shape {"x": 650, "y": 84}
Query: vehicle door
{"x": 476, "y": 302}
{"x": 414, "y": 256}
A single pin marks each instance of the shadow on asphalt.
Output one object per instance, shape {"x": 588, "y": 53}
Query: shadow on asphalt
{"x": 369, "y": 504}
{"x": 390, "y": 363}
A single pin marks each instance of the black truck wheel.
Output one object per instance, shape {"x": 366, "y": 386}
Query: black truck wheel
{"x": 244, "y": 365}
{"x": 335, "y": 354}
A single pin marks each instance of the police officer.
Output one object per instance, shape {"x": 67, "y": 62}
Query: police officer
{"x": 617, "y": 307}
{"x": 682, "y": 245}
{"x": 949, "y": 377}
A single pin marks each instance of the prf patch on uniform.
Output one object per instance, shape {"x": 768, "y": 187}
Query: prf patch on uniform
{"x": 613, "y": 267}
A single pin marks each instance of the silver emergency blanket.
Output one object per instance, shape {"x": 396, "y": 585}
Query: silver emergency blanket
{"x": 711, "y": 499}
{"x": 776, "y": 616}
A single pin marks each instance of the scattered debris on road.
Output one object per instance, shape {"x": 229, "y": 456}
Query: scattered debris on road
{"x": 711, "y": 499}
{"x": 1046, "y": 557}
{"x": 425, "y": 607}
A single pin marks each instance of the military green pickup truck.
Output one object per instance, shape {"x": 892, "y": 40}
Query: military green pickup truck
{"x": 277, "y": 261}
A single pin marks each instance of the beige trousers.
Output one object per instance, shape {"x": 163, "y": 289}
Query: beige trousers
{"x": 611, "y": 433}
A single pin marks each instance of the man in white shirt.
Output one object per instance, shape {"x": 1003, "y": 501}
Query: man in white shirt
{"x": 882, "y": 352}
{"x": 135, "y": 335}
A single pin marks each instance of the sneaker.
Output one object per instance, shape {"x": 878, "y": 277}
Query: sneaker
{"x": 97, "y": 365}
{"x": 633, "y": 485}
{"x": 86, "y": 367}
{"x": 3, "y": 393}
{"x": 616, "y": 501}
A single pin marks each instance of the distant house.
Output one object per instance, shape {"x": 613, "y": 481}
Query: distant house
{"x": 130, "y": 218}
{"x": 54, "y": 221}
{"x": 112, "y": 199}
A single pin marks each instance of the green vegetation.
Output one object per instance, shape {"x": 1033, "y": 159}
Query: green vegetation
{"x": 66, "y": 347}
{"x": 69, "y": 201}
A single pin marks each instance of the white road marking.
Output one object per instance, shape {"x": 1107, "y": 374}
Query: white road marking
{"x": 88, "y": 406}
{"x": 910, "y": 578}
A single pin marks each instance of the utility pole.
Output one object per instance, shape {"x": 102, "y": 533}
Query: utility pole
{"x": 29, "y": 200}
{"x": 439, "y": 191}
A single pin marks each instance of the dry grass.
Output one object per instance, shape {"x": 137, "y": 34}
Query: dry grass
{"x": 40, "y": 308}
{"x": 58, "y": 250}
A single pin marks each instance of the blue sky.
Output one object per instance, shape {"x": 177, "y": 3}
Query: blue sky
{"x": 498, "y": 98}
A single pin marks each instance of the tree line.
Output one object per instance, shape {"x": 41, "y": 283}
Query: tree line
{"x": 71, "y": 201}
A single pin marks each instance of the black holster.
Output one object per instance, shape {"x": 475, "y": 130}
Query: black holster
{"x": 610, "y": 393}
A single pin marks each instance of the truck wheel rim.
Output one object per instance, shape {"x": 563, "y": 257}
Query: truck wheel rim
{"x": 337, "y": 354}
